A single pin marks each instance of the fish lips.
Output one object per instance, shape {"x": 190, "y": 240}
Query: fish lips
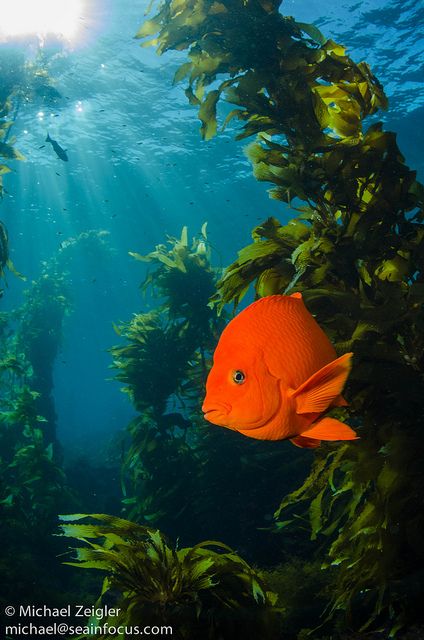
{"x": 216, "y": 413}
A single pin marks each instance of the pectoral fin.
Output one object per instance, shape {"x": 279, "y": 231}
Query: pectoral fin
{"x": 323, "y": 387}
{"x": 329, "y": 429}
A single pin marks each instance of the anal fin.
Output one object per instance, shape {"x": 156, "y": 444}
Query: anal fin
{"x": 330, "y": 429}
{"x": 305, "y": 443}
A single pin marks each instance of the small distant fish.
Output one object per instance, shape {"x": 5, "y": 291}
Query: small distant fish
{"x": 60, "y": 152}
{"x": 275, "y": 374}
{"x": 43, "y": 146}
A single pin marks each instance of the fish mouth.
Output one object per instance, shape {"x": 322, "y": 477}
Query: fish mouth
{"x": 216, "y": 413}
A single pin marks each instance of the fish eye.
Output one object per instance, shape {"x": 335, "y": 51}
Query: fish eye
{"x": 239, "y": 377}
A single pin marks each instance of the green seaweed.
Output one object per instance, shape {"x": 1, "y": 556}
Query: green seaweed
{"x": 32, "y": 484}
{"x": 183, "y": 277}
{"x": 205, "y": 591}
{"x": 143, "y": 363}
{"x": 302, "y": 603}
{"x": 304, "y": 87}
{"x": 165, "y": 390}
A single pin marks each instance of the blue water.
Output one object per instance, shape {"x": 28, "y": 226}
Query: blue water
{"x": 139, "y": 170}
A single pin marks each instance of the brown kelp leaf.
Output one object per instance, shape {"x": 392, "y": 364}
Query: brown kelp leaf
{"x": 149, "y": 28}
{"x": 275, "y": 280}
{"x": 207, "y": 114}
{"x": 182, "y": 72}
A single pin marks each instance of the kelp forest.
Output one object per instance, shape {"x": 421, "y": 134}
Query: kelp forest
{"x": 218, "y": 535}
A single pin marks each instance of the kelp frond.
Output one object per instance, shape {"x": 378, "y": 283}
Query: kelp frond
{"x": 292, "y": 79}
{"x": 183, "y": 276}
{"x": 143, "y": 363}
{"x": 201, "y": 589}
{"x": 180, "y": 254}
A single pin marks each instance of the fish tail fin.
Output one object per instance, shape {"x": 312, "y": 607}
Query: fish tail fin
{"x": 305, "y": 443}
{"x": 323, "y": 387}
{"x": 48, "y": 139}
{"x": 329, "y": 429}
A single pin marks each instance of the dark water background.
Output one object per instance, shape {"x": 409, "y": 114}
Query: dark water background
{"x": 139, "y": 170}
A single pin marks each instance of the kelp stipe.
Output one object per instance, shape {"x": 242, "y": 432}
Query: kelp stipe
{"x": 205, "y": 591}
{"x": 355, "y": 251}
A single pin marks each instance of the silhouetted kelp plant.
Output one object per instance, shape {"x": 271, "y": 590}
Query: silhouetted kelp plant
{"x": 355, "y": 251}
{"x": 33, "y": 485}
{"x": 32, "y": 482}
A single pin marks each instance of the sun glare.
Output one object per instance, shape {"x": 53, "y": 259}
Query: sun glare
{"x": 23, "y": 17}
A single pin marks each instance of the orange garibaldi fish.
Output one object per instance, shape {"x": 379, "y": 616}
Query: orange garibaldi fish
{"x": 274, "y": 375}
